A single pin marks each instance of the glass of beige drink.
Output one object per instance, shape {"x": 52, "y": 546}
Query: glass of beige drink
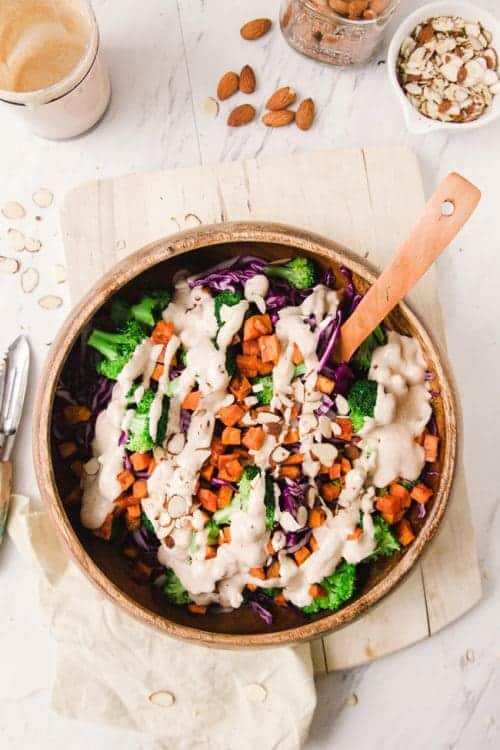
{"x": 51, "y": 69}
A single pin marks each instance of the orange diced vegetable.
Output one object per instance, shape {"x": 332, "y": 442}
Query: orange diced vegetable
{"x": 77, "y": 414}
{"x": 398, "y": 490}
{"x": 390, "y": 507}
{"x": 197, "y": 609}
{"x": 230, "y": 468}
{"x": 125, "y": 501}
{"x": 301, "y": 555}
{"x": 162, "y": 332}
{"x": 251, "y": 347}
{"x": 330, "y": 492}
{"x": 404, "y": 532}
{"x": 280, "y": 600}
{"x": 67, "y": 449}
{"x": 252, "y": 586}
{"x": 140, "y": 461}
{"x": 292, "y": 436}
{"x": 157, "y": 372}
{"x": 315, "y": 590}
{"x": 356, "y": 534}
{"x": 216, "y": 449}
{"x": 161, "y": 357}
{"x": 273, "y": 570}
{"x": 253, "y": 439}
{"x": 240, "y": 387}
{"x": 294, "y": 459}
{"x": 208, "y": 499}
{"x": 257, "y": 325}
{"x": 192, "y": 400}
{"x": 126, "y": 479}
{"x": 297, "y": 356}
{"x": 226, "y": 535}
{"x": 207, "y": 472}
{"x": 421, "y": 493}
{"x": 335, "y": 471}
{"x": 431, "y": 443}
{"x": 317, "y": 517}
{"x": 325, "y": 385}
{"x": 230, "y": 415}
{"x": 140, "y": 489}
{"x": 247, "y": 365}
{"x": 269, "y": 347}
{"x": 345, "y": 465}
{"x": 345, "y": 425}
{"x": 270, "y": 549}
{"x": 231, "y": 436}
{"x": 290, "y": 472}
{"x": 313, "y": 544}
{"x": 210, "y": 552}
{"x": 264, "y": 368}
{"x": 225, "y": 495}
{"x": 258, "y": 573}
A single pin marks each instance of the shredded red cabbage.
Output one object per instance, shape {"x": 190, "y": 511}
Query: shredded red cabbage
{"x": 293, "y": 495}
{"x": 230, "y": 274}
{"x": 351, "y": 298}
{"x": 326, "y": 404}
{"x": 295, "y": 540}
{"x": 185, "y": 420}
{"x": 327, "y": 340}
{"x": 216, "y": 482}
{"x": 260, "y": 610}
{"x": 421, "y": 511}
{"x": 344, "y": 378}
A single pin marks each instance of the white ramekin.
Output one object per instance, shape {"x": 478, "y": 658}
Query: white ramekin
{"x": 416, "y": 122}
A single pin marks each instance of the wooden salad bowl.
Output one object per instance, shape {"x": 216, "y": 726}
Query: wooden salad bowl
{"x": 151, "y": 267}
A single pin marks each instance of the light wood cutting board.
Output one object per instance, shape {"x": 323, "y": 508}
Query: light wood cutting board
{"x": 364, "y": 199}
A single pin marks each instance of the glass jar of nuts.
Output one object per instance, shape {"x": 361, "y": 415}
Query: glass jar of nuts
{"x": 339, "y": 32}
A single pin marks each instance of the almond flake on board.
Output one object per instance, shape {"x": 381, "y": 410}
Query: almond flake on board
{"x": 8, "y": 265}
{"x": 50, "y": 302}
{"x": 59, "y": 273}
{"x": 29, "y": 280}
{"x": 16, "y": 240}
{"x": 31, "y": 245}
{"x": 42, "y": 198}
{"x": 162, "y": 698}
{"x": 13, "y": 210}
{"x": 210, "y": 107}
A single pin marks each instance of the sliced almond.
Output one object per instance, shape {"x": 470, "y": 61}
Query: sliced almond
{"x": 162, "y": 698}
{"x": 13, "y": 210}
{"x": 50, "y": 302}
{"x": 177, "y": 506}
{"x": 59, "y": 273}
{"x": 176, "y": 443}
{"x": 325, "y": 453}
{"x": 43, "y": 198}
{"x": 305, "y": 114}
{"x": 16, "y": 240}
{"x": 325, "y": 426}
{"x": 255, "y": 29}
{"x": 241, "y": 115}
{"x": 31, "y": 245}
{"x": 278, "y": 119}
{"x": 265, "y": 417}
{"x": 228, "y": 85}
{"x": 279, "y": 455}
{"x": 210, "y": 107}
{"x": 307, "y": 423}
{"x": 247, "y": 80}
{"x": 120, "y": 244}
{"x": 8, "y": 265}
{"x": 281, "y": 99}
{"x": 29, "y": 280}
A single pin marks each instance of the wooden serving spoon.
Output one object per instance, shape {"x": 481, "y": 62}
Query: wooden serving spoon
{"x": 444, "y": 215}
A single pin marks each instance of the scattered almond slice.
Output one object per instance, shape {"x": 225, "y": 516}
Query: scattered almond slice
{"x": 210, "y": 107}
{"x": 120, "y": 244}
{"x": 16, "y": 240}
{"x": 31, "y": 245}
{"x": 43, "y": 198}
{"x": 50, "y": 302}
{"x": 29, "y": 280}
{"x": 162, "y": 698}
{"x": 13, "y": 210}
{"x": 8, "y": 265}
{"x": 59, "y": 273}
{"x": 192, "y": 220}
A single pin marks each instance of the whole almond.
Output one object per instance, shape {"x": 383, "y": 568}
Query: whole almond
{"x": 241, "y": 115}
{"x": 228, "y": 85}
{"x": 281, "y": 99}
{"x": 305, "y": 114}
{"x": 255, "y": 29}
{"x": 278, "y": 118}
{"x": 247, "y": 80}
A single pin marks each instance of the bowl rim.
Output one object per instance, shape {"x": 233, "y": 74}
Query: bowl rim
{"x": 123, "y": 273}
{"x": 416, "y": 122}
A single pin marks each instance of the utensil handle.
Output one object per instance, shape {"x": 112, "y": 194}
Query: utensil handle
{"x": 5, "y": 484}
{"x": 444, "y": 215}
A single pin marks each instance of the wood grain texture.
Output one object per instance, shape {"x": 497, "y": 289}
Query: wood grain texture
{"x": 367, "y": 200}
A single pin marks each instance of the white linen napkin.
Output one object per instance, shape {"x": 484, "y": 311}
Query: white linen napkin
{"x": 109, "y": 665}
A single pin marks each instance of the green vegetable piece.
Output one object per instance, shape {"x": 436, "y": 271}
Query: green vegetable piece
{"x": 362, "y": 399}
{"x": 230, "y": 362}
{"x": 299, "y": 272}
{"x": 119, "y": 312}
{"x": 363, "y": 355}
{"x": 387, "y": 543}
{"x": 149, "y": 309}
{"x": 270, "y": 592}
{"x": 266, "y": 394}
{"x": 240, "y": 498}
{"x": 339, "y": 588}
{"x": 213, "y": 531}
{"x": 269, "y": 502}
{"x": 173, "y": 387}
{"x": 116, "y": 348}
{"x": 174, "y": 590}
{"x": 147, "y": 523}
{"x": 225, "y": 298}
{"x": 299, "y": 370}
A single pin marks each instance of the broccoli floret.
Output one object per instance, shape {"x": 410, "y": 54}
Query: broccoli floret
{"x": 147, "y": 523}
{"x": 362, "y": 399}
{"x": 149, "y": 309}
{"x": 270, "y": 592}
{"x": 119, "y": 312}
{"x": 225, "y": 298}
{"x": 299, "y": 370}
{"x": 174, "y": 590}
{"x": 269, "y": 502}
{"x": 139, "y": 437}
{"x": 116, "y": 348}
{"x": 230, "y": 362}
{"x": 240, "y": 499}
{"x": 183, "y": 357}
{"x": 299, "y": 272}
{"x": 387, "y": 543}
{"x": 339, "y": 588}
{"x": 363, "y": 355}
{"x": 264, "y": 394}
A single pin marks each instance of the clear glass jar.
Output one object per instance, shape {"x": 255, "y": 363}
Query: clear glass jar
{"x": 337, "y": 32}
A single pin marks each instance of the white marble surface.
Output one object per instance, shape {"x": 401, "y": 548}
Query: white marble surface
{"x": 164, "y": 60}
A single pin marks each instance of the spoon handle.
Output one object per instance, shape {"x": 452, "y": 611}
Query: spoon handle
{"x": 444, "y": 215}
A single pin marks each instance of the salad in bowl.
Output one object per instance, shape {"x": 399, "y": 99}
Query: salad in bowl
{"x": 233, "y": 462}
